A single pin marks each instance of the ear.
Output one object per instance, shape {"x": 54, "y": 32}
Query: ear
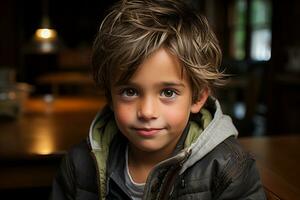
{"x": 198, "y": 104}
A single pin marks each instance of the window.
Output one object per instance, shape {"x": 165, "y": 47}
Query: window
{"x": 259, "y": 22}
{"x": 237, "y": 27}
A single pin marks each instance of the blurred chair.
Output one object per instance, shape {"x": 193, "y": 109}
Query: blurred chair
{"x": 72, "y": 76}
{"x": 78, "y": 82}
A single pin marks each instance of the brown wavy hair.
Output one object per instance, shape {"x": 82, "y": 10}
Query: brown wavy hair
{"x": 134, "y": 29}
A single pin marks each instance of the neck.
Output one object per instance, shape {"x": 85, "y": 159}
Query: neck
{"x": 152, "y": 158}
{"x": 140, "y": 163}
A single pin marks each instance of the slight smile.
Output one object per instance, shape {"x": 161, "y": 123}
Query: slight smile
{"x": 147, "y": 132}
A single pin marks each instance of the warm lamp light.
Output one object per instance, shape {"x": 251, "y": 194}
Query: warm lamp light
{"x": 45, "y": 34}
{"x": 45, "y": 40}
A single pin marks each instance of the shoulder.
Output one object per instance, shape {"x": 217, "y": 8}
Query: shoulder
{"x": 79, "y": 152}
{"x": 232, "y": 169}
{"x": 230, "y": 159}
{"x": 227, "y": 160}
{"x": 80, "y": 168}
{"x": 230, "y": 149}
{"x": 236, "y": 176}
{"x": 226, "y": 164}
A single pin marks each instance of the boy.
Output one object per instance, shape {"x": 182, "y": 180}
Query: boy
{"x": 161, "y": 136}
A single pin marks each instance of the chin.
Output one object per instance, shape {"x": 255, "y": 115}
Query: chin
{"x": 148, "y": 147}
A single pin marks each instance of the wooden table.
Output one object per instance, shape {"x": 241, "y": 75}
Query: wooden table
{"x": 278, "y": 160}
{"x": 31, "y": 146}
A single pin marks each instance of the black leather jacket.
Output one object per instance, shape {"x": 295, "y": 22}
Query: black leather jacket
{"x": 227, "y": 172}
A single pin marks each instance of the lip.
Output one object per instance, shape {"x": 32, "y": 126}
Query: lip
{"x": 147, "y": 132}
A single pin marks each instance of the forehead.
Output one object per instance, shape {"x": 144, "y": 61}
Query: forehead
{"x": 160, "y": 66}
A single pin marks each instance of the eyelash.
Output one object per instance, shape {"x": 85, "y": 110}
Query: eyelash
{"x": 125, "y": 93}
{"x": 174, "y": 93}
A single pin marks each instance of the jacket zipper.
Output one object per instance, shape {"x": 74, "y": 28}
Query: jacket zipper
{"x": 179, "y": 159}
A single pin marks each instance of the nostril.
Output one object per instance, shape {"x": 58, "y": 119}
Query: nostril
{"x": 146, "y": 114}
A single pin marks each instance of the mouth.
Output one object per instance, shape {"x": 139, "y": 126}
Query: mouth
{"x": 147, "y": 132}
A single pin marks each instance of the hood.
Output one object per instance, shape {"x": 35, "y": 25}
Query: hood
{"x": 215, "y": 132}
{"x": 102, "y": 131}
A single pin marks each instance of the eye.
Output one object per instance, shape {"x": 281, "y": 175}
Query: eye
{"x": 129, "y": 92}
{"x": 168, "y": 93}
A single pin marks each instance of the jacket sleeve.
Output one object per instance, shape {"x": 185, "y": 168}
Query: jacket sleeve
{"x": 244, "y": 182}
{"x": 63, "y": 183}
{"x": 76, "y": 178}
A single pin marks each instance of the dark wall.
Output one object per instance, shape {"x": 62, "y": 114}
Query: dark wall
{"x": 76, "y": 21}
{"x": 8, "y": 34}
{"x": 284, "y": 84}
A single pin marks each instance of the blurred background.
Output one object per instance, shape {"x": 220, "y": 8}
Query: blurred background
{"x": 48, "y": 99}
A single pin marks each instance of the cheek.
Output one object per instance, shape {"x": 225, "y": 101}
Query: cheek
{"x": 180, "y": 111}
{"x": 177, "y": 117}
{"x": 123, "y": 115}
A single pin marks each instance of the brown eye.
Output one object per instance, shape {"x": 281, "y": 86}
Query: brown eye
{"x": 129, "y": 92}
{"x": 168, "y": 93}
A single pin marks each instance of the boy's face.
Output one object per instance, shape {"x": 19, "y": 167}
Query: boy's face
{"x": 153, "y": 108}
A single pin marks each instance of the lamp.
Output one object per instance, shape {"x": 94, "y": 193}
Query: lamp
{"x": 45, "y": 39}
{"x": 45, "y": 33}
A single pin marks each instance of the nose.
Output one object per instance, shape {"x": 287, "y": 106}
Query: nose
{"x": 147, "y": 109}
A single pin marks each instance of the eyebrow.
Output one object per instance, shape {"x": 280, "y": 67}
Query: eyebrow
{"x": 172, "y": 84}
{"x": 161, "y": 84}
